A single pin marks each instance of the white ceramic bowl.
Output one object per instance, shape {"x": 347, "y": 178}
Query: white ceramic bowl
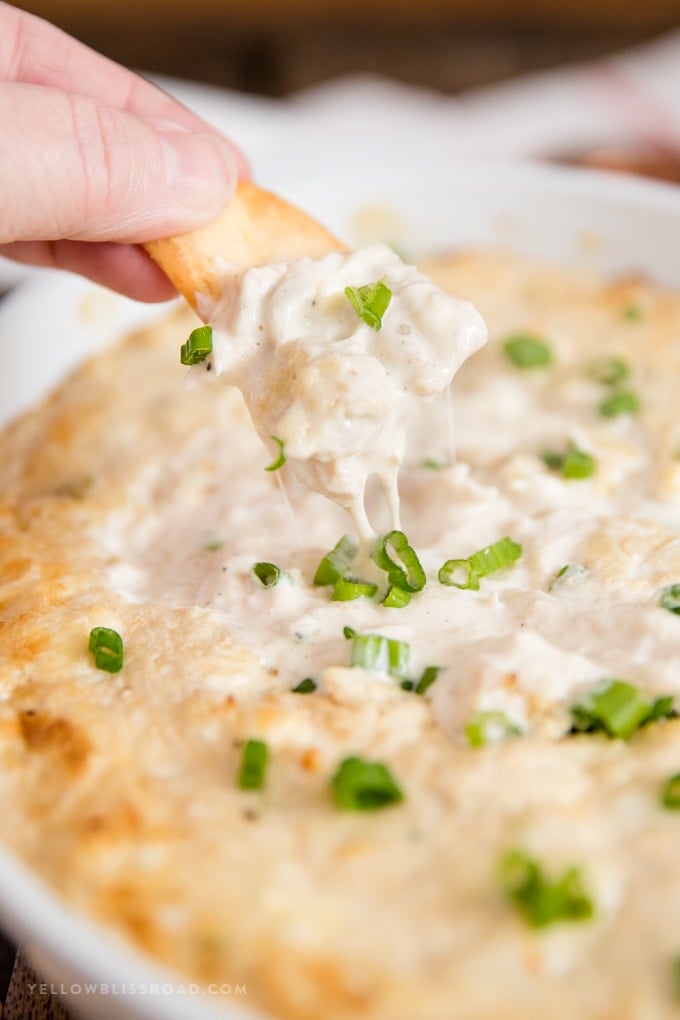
{"x": 613, "y": 223}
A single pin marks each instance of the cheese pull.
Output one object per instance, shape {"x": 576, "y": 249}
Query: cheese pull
{"x": 255, "y": 227}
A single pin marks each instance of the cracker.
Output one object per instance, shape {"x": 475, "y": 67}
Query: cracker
{"x": 255, "y": 227}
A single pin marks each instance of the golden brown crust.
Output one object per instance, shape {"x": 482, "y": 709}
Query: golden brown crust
{"x": 255, "y": 227}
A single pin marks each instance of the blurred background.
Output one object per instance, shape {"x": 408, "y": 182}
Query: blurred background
{"x": 275, "y": 47}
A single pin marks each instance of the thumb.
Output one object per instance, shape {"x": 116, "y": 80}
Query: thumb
{"x": 73, "y": 167}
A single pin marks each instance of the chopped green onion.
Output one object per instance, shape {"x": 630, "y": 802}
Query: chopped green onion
{"x": 396, "y": 598}
{"x": 434, "y": 465}
{"x": 370, "y": 302}
{"x": 429, "y": 675}
{"x": 675, "y": 977}
{"x": 379, "y": 654}
{"x": 268, "y": 574}
{"x": 349, "y": 633}
{"x": 633, "y": 313}
{"x": 452, "y": 569}
{"x": 618, "y": 709}
{"x": 346, "y": 589}
{"x": 569, "y": 572}
{"x": 670, "y": 598}
{"x": 360, "y": 785}
{"x": 553, "y": 459}
{"x": 407, "y": 685}
{"x": 337, "y": 562}
{"x": 670, "y": 794}
{"x": 574, "y": 463}
{"x": 406, "y": 574}
{"x": 75, "y": 487}
{"x": 106, "y": 646}
{"x": 526, "y": 350}
{"x": 198, "y": 346}
{"x": 662, "y": 708}
{"x": 491, "y": 727}
{"x": 494, "y": 557}
{"x": 278, "y": 463}
{"x": 502, "y": 553}
{"x": 578, "y": 464}
{"x": 306, "y": 686}
{"x": 254, "y": 757}
{"x": 621, "y": 402}
{"x": 213, "y": 543}
{"x": 541, "y": 901}
{"x": 609, "y": 371}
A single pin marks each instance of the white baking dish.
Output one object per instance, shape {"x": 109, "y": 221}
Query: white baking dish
{"x": 613, "y": 223}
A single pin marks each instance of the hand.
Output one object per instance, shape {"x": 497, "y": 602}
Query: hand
{"x": 93, "y": 153}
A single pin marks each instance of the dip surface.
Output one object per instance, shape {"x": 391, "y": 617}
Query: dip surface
{"x": 130, "y": 503}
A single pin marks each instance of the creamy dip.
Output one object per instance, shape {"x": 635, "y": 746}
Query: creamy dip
{"x": 130, "y": 504}
{"x": 337, "y": 393}
{"x": 526, "y": 643}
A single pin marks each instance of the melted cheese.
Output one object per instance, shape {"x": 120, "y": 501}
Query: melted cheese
{"x": 336, "y": 392}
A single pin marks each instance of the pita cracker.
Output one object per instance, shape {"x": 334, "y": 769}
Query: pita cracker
{"x": 255, "y": 227}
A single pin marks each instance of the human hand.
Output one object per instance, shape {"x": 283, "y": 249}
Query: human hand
{"x": 93, "y": 153}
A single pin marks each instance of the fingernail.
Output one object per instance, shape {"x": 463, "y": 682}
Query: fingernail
{"x": 201, "y": 169}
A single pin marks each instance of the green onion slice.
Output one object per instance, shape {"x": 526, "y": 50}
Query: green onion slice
{"x": 569, "y": 572}
{"x": 578, "y": 464}
{"x": 429, "y": 675}
{"x": 306, "y": 686}
{"x": 609, "y": 371}
{"x": 198, "y": 346}
{"x": 633, "y": 313}
{"x": 574, "y": 463}
{"x": 349, "y": 633}
{"x": 279, "y": 461}
{"x": 106, "y": 646}
{"x": 669, "y": 598}
{"x": 379, "y": 654}
{"x": 405, "y": 571}
{"x": 502, "y": 553}
{"x": 553, "y": 459}
{"x": 526, "y": 350}
{"x": 670, "y": 793}
{"x": 346, "y": 589}
{"x": 619, "y": 709}
{"x": 491, "y": 727}
{"x": 213, "y": 543}
{"x": 662, "y": 708}
{"x": 268, "y": 574}
{"x": 360, "y": 785}
{"x": 337, "y": 562}
{"x": 370, "y": 302}
{"x": 621, "y": 402}
{"x": 459, "y": 574}
{"x": 254, "y": 757}
{"x": 396, "y": 598}
{"x": 541, "y": 901}
{"x": 494, "y": 557}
